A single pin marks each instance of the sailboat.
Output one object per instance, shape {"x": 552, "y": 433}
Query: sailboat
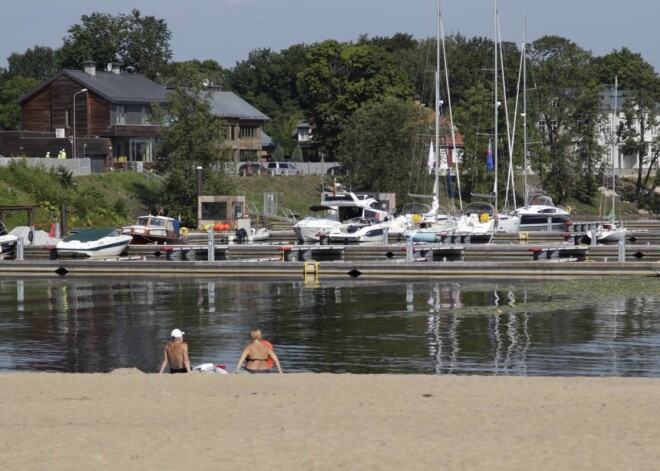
{"x": 610, "y": 230}
{"x": 480, "y": 220}
{"x": 435, "y": 224}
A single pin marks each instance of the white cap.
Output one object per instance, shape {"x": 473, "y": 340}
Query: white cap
{"x": 176, "y": 333}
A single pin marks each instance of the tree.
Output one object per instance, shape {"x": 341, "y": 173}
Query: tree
{"x": 194, "y": 138}
{"x": 297, "y": 155}
{"x": 10, "y": 91}
{"x": 639, "y": 108}
{"x": 134, "y": 40}
{"x": 267, "y": 80}
{"x": 377, "y": 146}
{"x": 339, "y": 78}
{"x": 561, "y": 69}
{"x": 39, "y": 62}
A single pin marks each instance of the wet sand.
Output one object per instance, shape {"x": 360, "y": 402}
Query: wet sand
{"x": 131, "y": 420}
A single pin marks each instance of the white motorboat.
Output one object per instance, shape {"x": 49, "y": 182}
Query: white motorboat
{"x": 346, "y": 208}
{"x": 7, "y": 241}
{"x": 94, "y": 243}
{"x": 359, "y": 231}
{"x": 541, "y": 214}
{"x": 313, "y": 227}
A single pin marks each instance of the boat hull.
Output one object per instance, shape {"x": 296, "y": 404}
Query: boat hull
{"x": 106, "y": 247}
{"x": 313, "y": 230}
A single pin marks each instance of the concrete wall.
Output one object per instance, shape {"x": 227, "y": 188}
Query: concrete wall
{"x": 79, "y": 167}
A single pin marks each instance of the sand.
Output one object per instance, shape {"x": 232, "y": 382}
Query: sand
{"x": 131, "y": 420}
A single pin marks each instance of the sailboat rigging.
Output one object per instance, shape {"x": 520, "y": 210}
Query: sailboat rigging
{"x": 609, "y": 230}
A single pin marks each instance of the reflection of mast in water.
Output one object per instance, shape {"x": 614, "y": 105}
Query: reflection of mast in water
{"x": 510, "y": 350}
{"x": 410, "y": 307}
{"x": 445, "y": 297}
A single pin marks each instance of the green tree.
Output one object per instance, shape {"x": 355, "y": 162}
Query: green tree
{"x": 564, "y": 77}
{"x": 377, "y": 146}
{"x": 210, "y": 70}
{"x": 640, "y": 110}
{"x": 194, "y": 138}
{"x": 339, "y": 78}
{"x": 134, "y": 40}
{"x": 39, "y": 63}
{"x": 267, "y": 80}
{"x": 297, "y": 155}
{"x": 10, "y": 91}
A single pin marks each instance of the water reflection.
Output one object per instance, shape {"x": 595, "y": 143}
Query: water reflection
{"x": 526, "y": 328}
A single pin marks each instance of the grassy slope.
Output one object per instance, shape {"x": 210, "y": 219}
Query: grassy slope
{"x": 137, "y": 194}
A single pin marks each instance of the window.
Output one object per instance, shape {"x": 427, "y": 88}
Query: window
{"x": 130, "y": 114}
{"x": 248, "y": 131}
{"x": 214, "y": 211}
{"x": 118, "y": 114}
{"x": 248, "y": 156}
{"x": 303, "y": 134}
{"x": 67, "y": 118}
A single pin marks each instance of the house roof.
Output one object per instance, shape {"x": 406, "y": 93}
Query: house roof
{"x": 266, "y": 140}
{"x": 124, "y": 88}
{"x": 229, "y": 105}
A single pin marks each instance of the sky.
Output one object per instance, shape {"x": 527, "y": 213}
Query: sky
{"x": 227, "y": 30}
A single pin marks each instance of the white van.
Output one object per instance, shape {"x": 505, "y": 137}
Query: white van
{"x": 283, "y": 168}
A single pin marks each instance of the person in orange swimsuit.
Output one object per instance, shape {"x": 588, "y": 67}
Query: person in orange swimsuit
{"x": 255, "y": 355}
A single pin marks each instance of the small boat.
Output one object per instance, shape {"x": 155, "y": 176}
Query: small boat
{"x": 242, "y": 236}
{"x": 158, "y": 230}
{"x": 607, "y": 232}
{"x": 94, "y": 243}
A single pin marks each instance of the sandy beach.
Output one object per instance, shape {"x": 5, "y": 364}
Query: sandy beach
{"x": 131, "y": 420}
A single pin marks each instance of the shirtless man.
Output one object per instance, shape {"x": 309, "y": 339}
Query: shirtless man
{"x": 176, "y": 354}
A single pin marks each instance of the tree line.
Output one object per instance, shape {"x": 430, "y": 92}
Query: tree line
{"x": 371, "y": 102}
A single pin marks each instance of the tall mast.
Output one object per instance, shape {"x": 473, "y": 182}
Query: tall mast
{"x": 524, "y": 53}
{"x": 451, "y": 115}
{"x": 495, "y": 112}
{"x": 613, "y": 151}
{"x": 436, "y": 186}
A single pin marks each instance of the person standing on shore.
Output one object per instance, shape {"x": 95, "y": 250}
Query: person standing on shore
{"x": 176, "y": 354}
{"x": 256, "y": 355}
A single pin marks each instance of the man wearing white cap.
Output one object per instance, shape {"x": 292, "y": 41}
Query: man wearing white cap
{"x": 176, "y": 354}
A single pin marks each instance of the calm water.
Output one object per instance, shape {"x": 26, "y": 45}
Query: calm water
{"x": 591, "y": 327}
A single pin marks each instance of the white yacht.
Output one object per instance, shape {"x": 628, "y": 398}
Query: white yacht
{"x": 341, "y": 206}
{"x": 541, "y": 214}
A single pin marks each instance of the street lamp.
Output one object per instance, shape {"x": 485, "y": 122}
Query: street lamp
{"x": 75, "y": 146}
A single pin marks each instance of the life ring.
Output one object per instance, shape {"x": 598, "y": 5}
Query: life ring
{"x": 568, "y": 209}
{"x": 417, "y": 218}
{"x": 184, "y": 231}
{"x": 484, "y": 217}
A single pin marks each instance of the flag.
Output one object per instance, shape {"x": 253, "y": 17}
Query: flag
{"x": 489, "y": 157}
{"x": 431, "y": 162}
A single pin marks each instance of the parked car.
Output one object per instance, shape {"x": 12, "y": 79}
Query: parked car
{"x": 283, "y": 168}
{"x": 253, "y": 168}
{"x": 336, "y": 170}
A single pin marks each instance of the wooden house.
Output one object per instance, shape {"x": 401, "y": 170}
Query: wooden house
{"x": 85, "y": 106}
